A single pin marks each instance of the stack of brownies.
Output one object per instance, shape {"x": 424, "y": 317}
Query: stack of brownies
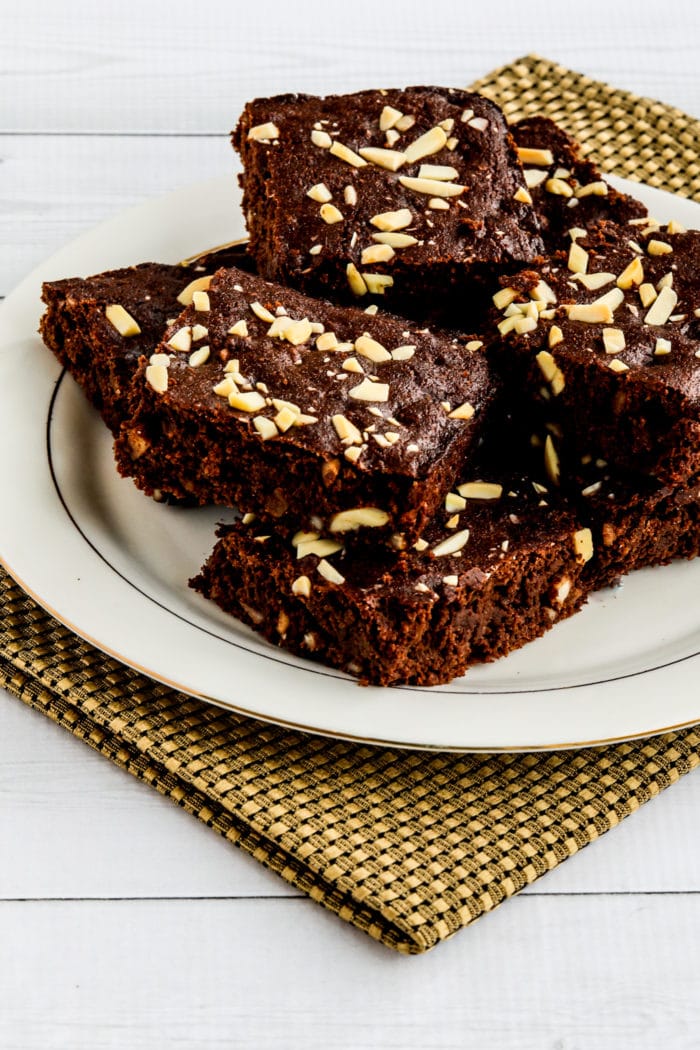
{"x": 451, "y": 383}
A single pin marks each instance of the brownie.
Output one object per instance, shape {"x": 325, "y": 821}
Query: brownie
{"x": 567, "y": 189}
{"x": 494, "y": 569}
{"x": 96, "y": 353}
{"x": 603, "y": 343}
{"x": 414, "y": 195}
{"x": 635, "y": 522}
{"x": 263, "y": 397}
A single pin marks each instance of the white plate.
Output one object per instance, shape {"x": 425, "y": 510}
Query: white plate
{"x": 114, "y": 566}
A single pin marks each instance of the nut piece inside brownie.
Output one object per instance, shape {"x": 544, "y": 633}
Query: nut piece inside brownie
{"x": 603, "y": 341}
{"x": 495, "y": 568}
{"x": 566, "y": 188}
{"x": 399, "y": 193}
{"x": 263, "y": 397}
{"x": 99, "y": 327}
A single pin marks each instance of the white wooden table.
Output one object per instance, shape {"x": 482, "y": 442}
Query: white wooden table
{"x": 125, "y": 923}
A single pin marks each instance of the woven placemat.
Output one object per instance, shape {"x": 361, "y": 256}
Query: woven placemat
{"x": 408, "y": 846}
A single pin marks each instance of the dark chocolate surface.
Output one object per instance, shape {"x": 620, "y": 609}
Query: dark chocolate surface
{"x": 484, "y": 226}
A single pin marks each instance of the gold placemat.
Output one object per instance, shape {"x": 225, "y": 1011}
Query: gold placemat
{"x": 408, "y": 846}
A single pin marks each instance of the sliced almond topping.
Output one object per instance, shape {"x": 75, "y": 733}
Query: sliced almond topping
{"x": 594, "y": 281}
{"x": 480, "y": 490}
{"x": 578, "y": 258}
{"x": 441, "y": 172}
{"x": 593, "y": 189}
{"x": 583, "y": 544}
{"x": 613, "y": 340}
{"x": 355, "y": 280}
{"x": 424, "y": 146}
{"x": 252, "y": 401}
{"x": 264, "y": 132}
{"x": 349, "y": 156}
{"x": 199, "y": 331}
{"x": 198, "y": 357}
{"x": 463, "y": 411}
{"x": 590, "y": 313}
{"x": 225, "y": 387}
{"x": 321, "y": 138}
{"x": 298, "y": 332}
{"x": 551, "y": 461}
{"x": 448, "y": 124}
{"x": 320, "y": 193}
{"x": 675, "y": 227}
{"x": 647, "y": 293}
{"x": 466, "y": 115}
{"x": 551, "y": 371}
{"x": 353, "y": 453}
{"x": 265, "y": 427}
{"x": 452, "y": 544}
{"x": 388, "y": 118}
{"x": 559, "y": 188}
{"x": 181, "y": 340}
{"x": 370, "y": 348}
{"x": 453, "y": 502}
{"x": 369, "y": 391}
{"x": 659, "y": 248}
{"x": 200, "y": 284}
{"x": 302, "y": 587}
{"x": 350, "y": 196}
{"x": 542, "y": 293}
{"x": 392, "y": 220}
{"x": 285, "y": 419}
{"x": 523, "y": 195}
{"x": 405, "y": 122}
{"x": 539, "y": 157}
{"x": 662, "y": 307}
{"x": 665, "y": 282}
{"x": 395, "y": 240}
{"x": 330, "y": 214}
{"x": 392, "y": 137}
{"x": 329, "y": 572}
{"x": 438, "y": 204}
{"x": 616, "y": 365}
{"x": 633, "y": 273}
{"x": 662, "y": 347}
{"x": 261, "y": 312}
{"x": 346, "y": 430}
{"x": 327, "y": 341}
{"x": 377, "y": 282}
{"x": 159, "y": 359}
{"x": 122, "y": 320}
{"x": 377, "y": 253}
{"x": 157, "y": 377}
{"x": 474, "y": 344}
{"x": 240, "y": 328}
{"x": 403, "y": 353}
{"x": 390, "y": 159}
{"x": 504, "y": 298}
{"x": 316, "y": 546}
{"x": 358, "y": 517}
{"x": 351, "y": 364}
{"x": 507, "y": 325}
{"x": 524, "y": 324}
{"x": 200, "y": 301}
{"x": 478, "y": 123}
{"x": 555, "y": 336}
{"x": 533, "y": 177}
{"x": 431, "y": 187}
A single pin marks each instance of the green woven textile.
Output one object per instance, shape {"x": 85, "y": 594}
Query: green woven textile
{"x": 408, "y": 846}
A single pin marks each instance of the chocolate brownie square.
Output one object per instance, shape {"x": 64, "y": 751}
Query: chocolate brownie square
{"x": 603, "y": 343}
{"x": 99, "y": 327}
{"x": 567, "y": 189}
{"x": 495, "y": 568}
{"x": 262, "y": 397}
{"x": 414, "y": 195}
